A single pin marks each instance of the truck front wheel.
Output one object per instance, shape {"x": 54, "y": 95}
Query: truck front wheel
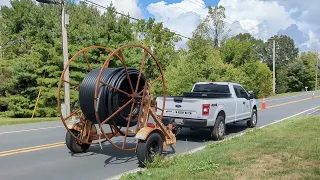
{"x": 219, "y": 129}
{"x": 254, "y": 119}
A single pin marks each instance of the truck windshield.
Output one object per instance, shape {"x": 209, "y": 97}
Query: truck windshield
{"x": 215, "y": 88}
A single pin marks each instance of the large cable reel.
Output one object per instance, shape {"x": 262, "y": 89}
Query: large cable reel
{"x": 112, "y": 94}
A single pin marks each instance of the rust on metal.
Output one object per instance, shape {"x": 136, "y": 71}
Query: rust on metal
{"x": 144, "y": 132}
{"x": 117, "y": 111}
{"x": 82, "y": 51}
{"x": 128, "y": 123}
{"x": 117, "y": 89}
{"x": 72, "y": 84}
{"x": 157, "y": 79}
{"x": 143, "y": 98}
{"x": 125, "y": 67}
{"x": 87, "y": 60}
{"x": 160, "y": 124}
{"x": 74, "y": 112}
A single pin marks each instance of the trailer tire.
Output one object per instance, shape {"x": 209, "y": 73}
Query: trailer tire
{"x": 253, "y": 120}
{"x": 72, "y": 143}
{"x": 219, "y": 129}
{"x": 154, "y": 140}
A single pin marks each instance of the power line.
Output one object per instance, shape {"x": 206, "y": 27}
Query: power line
{"x": 172, "y": 31}
{"x": 136, "y": 19}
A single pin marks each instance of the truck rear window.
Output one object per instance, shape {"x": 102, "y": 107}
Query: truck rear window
{"x": 215, "y": 88}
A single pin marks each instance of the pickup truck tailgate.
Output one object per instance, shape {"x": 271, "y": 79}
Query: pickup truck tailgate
{"x": 181, "y": 107}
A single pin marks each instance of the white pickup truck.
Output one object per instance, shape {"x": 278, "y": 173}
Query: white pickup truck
{"x": 210, "y": 105}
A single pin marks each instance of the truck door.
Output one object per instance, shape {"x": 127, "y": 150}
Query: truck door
{"x": 243, "y": 104}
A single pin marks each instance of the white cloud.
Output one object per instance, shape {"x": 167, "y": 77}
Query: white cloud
{"x": 252, "y": 13}
{"x": 261, "y": 18}
{"x": 5, "y": 3}
{"x": 183, "y": 17}
{"x": 313, "y": 44}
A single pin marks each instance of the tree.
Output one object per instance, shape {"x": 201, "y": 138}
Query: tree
{"x": 309, "y": 59}
{"x": 237, "y": 52}
{"x": 31, "y": 41}
{"x": 158, "y": 39}
{"x": 216, "y": 17}
{"x": 286, "y": 52}
{"x": 297, "y": 76}
{"x": 258, "y": 46}
{"x": 259, "y": 78}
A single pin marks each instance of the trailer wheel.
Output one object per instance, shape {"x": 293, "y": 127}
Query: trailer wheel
{"x": 72, "y": 143}
{"x": 254, "y": 119}
{"x": 149, "y": 148}
{"x": 219, "y": 129}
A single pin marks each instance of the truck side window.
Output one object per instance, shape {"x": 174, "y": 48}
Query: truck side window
{"x": 236, "y": 90}
{"x": 240, "y": 92}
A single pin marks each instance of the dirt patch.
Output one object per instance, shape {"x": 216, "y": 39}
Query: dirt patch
{"x": 280, "y": 165}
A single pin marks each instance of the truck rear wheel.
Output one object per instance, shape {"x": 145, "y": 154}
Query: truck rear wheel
{"x": 219, "y": 129}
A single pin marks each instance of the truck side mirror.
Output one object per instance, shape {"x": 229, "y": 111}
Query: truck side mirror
{"x": 251, "y": 95}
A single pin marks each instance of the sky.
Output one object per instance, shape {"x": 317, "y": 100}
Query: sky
{"x": 261, "y": 18}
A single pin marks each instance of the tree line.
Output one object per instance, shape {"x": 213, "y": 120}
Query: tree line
{"x": 31, "y": 54}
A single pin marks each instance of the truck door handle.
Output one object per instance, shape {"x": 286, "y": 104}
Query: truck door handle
{"x": 243, "y": 102}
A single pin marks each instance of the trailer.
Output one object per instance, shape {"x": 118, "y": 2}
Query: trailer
{"x": 115, "y": 104}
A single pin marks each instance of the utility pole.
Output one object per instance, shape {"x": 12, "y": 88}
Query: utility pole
{"x": 274, "y": 66}
{"x": 64, "y": 21}
{"x": 317, "y": 67}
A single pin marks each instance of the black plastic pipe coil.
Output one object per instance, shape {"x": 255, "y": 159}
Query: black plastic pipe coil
{"x": 110, "y": 100}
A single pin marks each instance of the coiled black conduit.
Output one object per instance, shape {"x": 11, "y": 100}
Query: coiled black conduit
{"x": 109, "y": 99}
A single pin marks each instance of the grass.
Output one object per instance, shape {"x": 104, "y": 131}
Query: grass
{"x": 287, "y": 94}
{"x": 10, "y": 121}
{"x": 287, "y": 150}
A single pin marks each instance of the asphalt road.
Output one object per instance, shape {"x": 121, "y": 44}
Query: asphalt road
{"x": 55, "y": 162}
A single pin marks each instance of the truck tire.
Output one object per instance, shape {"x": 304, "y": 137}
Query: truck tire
{"x": 219, "y": 130}
{"x": 253, "y": 120}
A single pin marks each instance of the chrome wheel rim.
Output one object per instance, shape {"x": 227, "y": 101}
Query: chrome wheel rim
{"x": 221, "y": 129}
{"x": 254, "y": 119}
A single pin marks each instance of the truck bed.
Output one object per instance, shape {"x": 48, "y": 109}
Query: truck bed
{"x": 190, "y": 105}
{"x": 201, "y": 95}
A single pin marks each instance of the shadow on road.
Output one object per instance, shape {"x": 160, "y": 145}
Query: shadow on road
{"x": 117, "y": 156}
{"x": 203, "y": 135}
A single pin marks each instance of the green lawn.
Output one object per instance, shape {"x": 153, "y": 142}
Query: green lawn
{"x": 287, "y": 150}
{"x": 287, "y": 94}
{"x": 10, "y": 121}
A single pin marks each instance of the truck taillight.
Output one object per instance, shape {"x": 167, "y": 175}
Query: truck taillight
{"x": 205, "y": 109}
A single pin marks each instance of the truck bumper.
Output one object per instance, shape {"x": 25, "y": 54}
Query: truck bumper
{"x": 185, "y": 122}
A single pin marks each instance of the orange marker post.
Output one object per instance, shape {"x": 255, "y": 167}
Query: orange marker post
{"x": 263, "y": 106}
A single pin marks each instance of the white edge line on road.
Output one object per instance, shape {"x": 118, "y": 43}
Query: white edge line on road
{"x": 313, "y": 111}
{"x": 27, "y": 130}
{"x": 116, "y": 177}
